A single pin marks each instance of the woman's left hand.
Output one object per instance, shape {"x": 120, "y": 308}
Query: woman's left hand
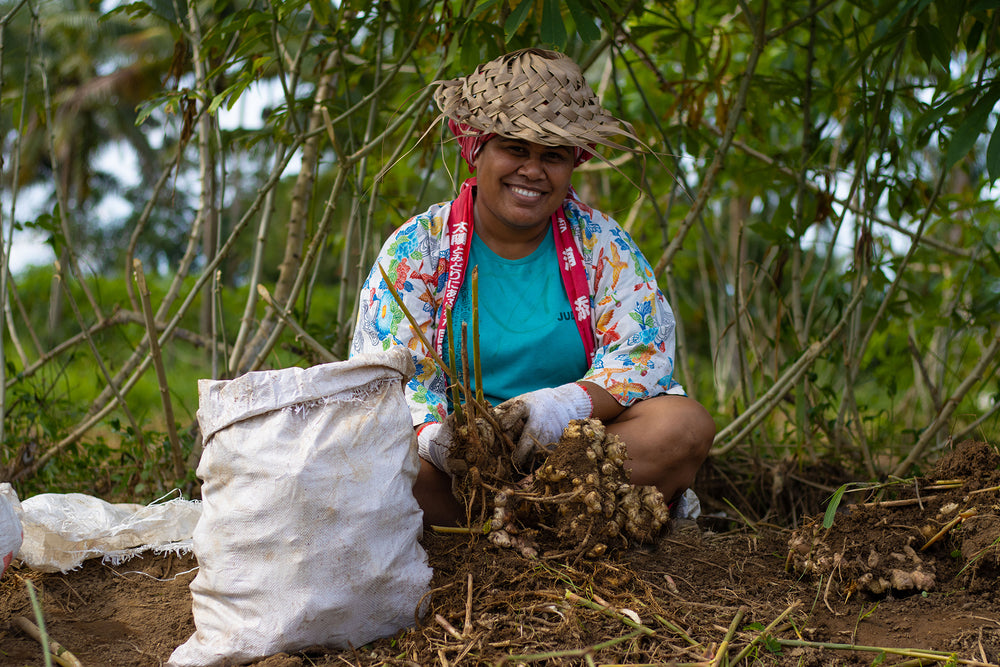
{"x": 546, "y": 413}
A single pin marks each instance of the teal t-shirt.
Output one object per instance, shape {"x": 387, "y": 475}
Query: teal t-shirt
{"x": 527, "y": 336}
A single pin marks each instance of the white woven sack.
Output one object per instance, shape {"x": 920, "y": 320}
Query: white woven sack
{"x": 10, "y": 527}
{"x": 309, "y": 530}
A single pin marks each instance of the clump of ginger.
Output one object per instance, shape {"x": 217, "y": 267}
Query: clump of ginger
{"x": 580, "y": 498}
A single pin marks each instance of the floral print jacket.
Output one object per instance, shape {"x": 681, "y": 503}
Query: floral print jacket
{"x": 631, "y": 321}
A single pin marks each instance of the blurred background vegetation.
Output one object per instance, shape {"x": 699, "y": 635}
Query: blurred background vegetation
{"x": 819, "y": 202}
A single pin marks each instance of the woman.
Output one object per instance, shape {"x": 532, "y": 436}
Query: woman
{"x": 572, "y": 324}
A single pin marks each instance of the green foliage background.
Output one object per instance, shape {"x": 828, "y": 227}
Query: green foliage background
{"x": 818, "y": 198}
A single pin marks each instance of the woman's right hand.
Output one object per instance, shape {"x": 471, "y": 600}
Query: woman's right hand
{"x": 434, "y": 441}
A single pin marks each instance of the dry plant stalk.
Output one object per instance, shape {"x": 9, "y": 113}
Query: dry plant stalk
{"x": 56, "y": 650}
{"x": 920, "y": 654}
{"x": 300, "y": 333}
{"x": 962, "y": 516}
{"x": 161, "y": 372}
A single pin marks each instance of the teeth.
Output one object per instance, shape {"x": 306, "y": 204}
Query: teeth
{"x": 525, "y": 193}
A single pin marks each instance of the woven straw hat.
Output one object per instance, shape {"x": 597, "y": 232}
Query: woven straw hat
{"x": 532, "y": 94}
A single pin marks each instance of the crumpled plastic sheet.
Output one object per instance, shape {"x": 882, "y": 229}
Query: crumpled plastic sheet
{"x": 63, "y": 530}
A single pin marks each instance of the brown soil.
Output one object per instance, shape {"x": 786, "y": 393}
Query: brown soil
{"x": 699, "y": 592}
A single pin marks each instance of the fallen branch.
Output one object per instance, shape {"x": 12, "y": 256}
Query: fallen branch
{"x": 765, "y": 632}
{"x": 903, "y": 502}
{"x": 604, "y": 609}
{"x": 723, "y": 651}
{"x": 679, "y": 631}
{"x": 58, "y": 652}
{"x": 920, "y": 654}
{"x": 467, "y": 628}
{"x": 461, "y": 530}
{"x": 573, "y": 653}
{"x": 948, "y": 526}
{"x": 448, "y": 627}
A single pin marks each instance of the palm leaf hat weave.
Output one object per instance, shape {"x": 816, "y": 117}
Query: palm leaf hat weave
{"x": 533, "y": 94}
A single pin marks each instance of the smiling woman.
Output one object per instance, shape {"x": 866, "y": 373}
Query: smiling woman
{"x": 572, "y": 323}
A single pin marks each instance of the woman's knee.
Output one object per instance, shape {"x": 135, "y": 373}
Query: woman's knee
{"x": 701, "y": 429}
{"x": 666, "y": 433}
{"x": 677, "y": 420}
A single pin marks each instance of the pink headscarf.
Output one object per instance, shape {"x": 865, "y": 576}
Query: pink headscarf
{"x": 471, "y": 141}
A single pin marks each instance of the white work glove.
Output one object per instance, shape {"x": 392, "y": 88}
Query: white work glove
{"x": 434, "y": 442}
{"x": 546, "y": 414}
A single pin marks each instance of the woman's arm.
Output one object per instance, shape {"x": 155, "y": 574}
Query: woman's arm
{"x": 606, "y": 407}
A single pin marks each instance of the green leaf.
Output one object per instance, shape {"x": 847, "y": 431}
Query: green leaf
{"x": 968, "y": 132}
{"x": 615, "y": 5}
{"x": 993, "y": 155}
{"x": 136, "y": 10}
{"x": 602, "y": 11}
{"x": 775, "y": 229}
{"x": 984, "y": 5}
{"x": 145, "y": 109}
{"x": 807, "y": 207}
{"x": 691, "y": 62}
{"x": 831, "y": 508}
{"x": 931, "y": 117}
{"x": 469, "y": 55}
{"x": 230, "y": 95}
{"x": 585, "y": 25}
{"x": 322, "y": 11}
{"x": 481, "y": 7}
{"x": 975, "y": 34}
{"x": 939, "y": 44}
{"x": 553, "y": 28}
{"x": 989, "y": 248}
{"x": 784, "y": 213}
{"x": 516, "y": 18}
{"x": 917, "y": 5}
{"x": 922, "y": 41}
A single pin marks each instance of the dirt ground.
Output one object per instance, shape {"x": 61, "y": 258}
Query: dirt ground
{"x": 864, "y": 591}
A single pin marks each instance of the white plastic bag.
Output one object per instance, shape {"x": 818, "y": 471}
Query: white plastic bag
{"x": 310, "y": 530}
{"x": 10, "y": 527}
{"x": 61, "y": 530}
{"x": 688, "y": 506}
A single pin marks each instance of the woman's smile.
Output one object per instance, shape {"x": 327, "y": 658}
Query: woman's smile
{"x": 525, "y": 192}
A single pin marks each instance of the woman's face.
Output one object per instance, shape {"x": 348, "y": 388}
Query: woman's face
{"x": 520, "y": 185}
